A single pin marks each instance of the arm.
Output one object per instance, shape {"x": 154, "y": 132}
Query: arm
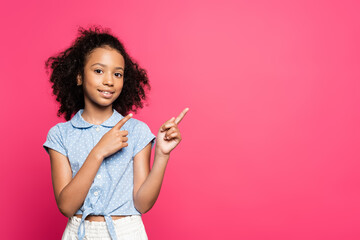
{"x": 70, "y": 193}
{"x": 147, "y": 184}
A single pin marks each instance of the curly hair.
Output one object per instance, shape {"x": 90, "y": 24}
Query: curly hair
{"x": 67, "y": 65}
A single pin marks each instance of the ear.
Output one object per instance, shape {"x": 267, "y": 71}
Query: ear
{"x": 78, "y": 80}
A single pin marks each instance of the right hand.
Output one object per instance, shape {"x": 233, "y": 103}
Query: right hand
{"x": 114, "y": 139}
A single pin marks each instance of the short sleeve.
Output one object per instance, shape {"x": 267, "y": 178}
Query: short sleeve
{"x": 55, "y": 141}
{"x": 142, "y": 137}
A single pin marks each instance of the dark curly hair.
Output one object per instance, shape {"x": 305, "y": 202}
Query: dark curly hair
{"x": 68, "y": 64}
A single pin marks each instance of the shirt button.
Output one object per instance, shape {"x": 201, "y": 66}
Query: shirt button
{"x": 97, "y": 129}
{"x": 98, "y": 176}
{"x": 96, "y": 193}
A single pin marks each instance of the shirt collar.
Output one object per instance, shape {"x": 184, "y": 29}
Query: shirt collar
{"x": 78, "y": 121}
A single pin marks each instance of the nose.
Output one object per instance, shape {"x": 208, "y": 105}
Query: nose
{"x": 108, "y": 80}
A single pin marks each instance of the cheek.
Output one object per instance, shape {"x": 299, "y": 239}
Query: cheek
{"x": 119, "y": 91}
{"x": 120, "y": 85}
{"x": 89, "y": 87}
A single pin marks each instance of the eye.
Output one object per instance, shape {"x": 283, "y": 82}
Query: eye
{"x": 98, "y": 70}
{"x": 118, "y": 75}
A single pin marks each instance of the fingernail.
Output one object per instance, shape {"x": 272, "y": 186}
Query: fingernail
{"x": 130, "y": 114}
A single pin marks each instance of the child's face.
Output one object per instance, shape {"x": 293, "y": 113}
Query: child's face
{"x": 103, "y": 77}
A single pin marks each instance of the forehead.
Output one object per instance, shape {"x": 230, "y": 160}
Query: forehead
{"x": 105, "y": 55}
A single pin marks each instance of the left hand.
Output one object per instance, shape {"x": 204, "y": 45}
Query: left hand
{"x": 169, "y": 136}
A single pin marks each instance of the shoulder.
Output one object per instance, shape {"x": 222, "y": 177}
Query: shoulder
{"x": 56, "y": 138}
{"x": 60, "y": 129}
{"x": 141, "y": 131}
{"x": 136, "y": 124}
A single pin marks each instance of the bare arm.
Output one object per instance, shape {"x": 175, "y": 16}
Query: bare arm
{"x": 147, "y": 184}
{"x": 69, "y": 192}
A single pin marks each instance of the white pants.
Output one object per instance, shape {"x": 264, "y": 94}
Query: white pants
{"x": 127, "y": 228}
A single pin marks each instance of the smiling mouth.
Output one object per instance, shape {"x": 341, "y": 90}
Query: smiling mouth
{"x": 106, "y": 93}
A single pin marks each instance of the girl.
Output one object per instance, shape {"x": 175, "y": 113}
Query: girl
{"x": 100, "y": 158}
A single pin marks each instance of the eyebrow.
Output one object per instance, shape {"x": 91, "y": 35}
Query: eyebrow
{"x": 103, "y": 65}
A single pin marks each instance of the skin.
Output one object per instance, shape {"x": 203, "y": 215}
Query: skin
{"x": 103, "y": 70}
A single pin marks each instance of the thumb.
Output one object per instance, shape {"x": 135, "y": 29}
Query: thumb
{"x": 123, "y": 121}
{"x": 164, "y": 126}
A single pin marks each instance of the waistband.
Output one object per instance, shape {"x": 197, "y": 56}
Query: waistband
{"x": 124, "y": 225}
{"x": 108, "y": 222}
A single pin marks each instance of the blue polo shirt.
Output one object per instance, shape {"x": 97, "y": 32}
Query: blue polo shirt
{"x": 111, "y": 192}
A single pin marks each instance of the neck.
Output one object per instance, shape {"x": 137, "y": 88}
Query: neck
{"x": 97, "y": 115}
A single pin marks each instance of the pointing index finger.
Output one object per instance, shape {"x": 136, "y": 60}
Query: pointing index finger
{"x": 123, "y": 121}
{"x": 181, "y": 115}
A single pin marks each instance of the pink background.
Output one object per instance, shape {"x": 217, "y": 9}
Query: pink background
{"x": 270, "y": 145}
